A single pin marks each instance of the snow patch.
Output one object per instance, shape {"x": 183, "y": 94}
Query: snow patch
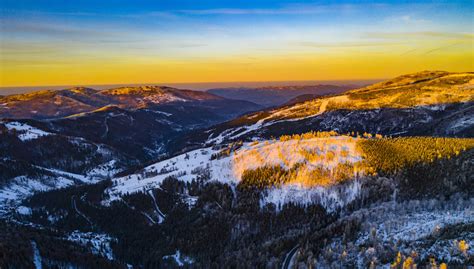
{"x": 98, "y": 243}
{"x": 331, "y": 198}
{"x": 23, "y": 210}
{"x": 462, "y": 123}
{"x": 407, "y": 227}
{"x": 181, "y": 260}
{"x": 25, "y": 131}
{"x": 19, "y": 188}
{"x": 405, "y": 221}
{"x": 104, "y": 170}
{"x": 160, "y": 112}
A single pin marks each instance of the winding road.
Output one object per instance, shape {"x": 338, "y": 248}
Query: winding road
{"x": 73, "y": 201}
{"x": 288, "y": 261}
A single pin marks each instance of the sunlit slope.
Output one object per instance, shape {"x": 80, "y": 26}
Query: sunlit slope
{"x": 302, "y": 156}
{"x": 421, "y": 104}
{"x": 313, "y": 162}
{"x": 419, "y": 89}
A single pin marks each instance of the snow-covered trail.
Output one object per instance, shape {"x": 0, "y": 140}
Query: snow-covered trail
{"x": 265, "y": 123}
{"x": 73, "y": 201}
{"x": 106, "y": 132}
{"x": 65, "y": 174}
{"x": 36, "y": 255}
{"x": 150, "y": 219}
{"x": 106, "y": 124}
{"x": 146, "y": 215}
{"x": 323, "y": 106}
{"x": 161, "y": 216}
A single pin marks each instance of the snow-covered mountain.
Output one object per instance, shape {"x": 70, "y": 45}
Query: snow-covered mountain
{"x": 46, "y": 104}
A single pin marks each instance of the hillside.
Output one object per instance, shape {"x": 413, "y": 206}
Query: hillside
{"x": 33, "y": 160}
{"x": 307, "y": 161}
{"x": 280, "y": 200}
{"x": 426, "y": 103}
{"x": 420, "y": 89}
{"x": 271, "y": 96}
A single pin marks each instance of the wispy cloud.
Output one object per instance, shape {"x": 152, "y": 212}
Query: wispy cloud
{"x": 295, "y": 9}
{"x": 234, "y": 11}
{"x": 347, "y": 44}
{"x": 442, "y": 48}
{"x": 47, "y": 29}
{"x": 13, "y": 49}
{"x": 423, "y": 34}
{"x": 148, "y": 15}
{"x": 48, "y": 13}
{"x": 94, "y": 15}
{"x": 407, "y": 19}
{"x": 410, "y": 51}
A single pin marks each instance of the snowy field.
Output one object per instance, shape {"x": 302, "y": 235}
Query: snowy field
{"x": 19, "y": 188}
{"x": 325, "y": 153}
{"x": 25, "y": 131}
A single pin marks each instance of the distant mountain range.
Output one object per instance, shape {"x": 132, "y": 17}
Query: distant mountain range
{"x": 61, "y": 103}
{"x": 278, "y": 95}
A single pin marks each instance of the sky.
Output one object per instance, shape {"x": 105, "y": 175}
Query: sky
{"x": 181, "y": 41}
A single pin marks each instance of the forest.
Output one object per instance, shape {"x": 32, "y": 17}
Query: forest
{"x": 230, "y": 228}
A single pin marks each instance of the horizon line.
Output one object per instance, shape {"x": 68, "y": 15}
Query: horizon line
{"x": 192, "y": 83}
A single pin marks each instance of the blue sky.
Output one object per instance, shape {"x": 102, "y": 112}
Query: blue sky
{"x": 184, "y": 41}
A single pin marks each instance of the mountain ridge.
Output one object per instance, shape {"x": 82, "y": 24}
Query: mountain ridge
{"x": 406, "y": 104}
{"x": 46, "y": 104}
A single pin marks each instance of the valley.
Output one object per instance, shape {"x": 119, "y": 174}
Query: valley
{"x": 274, "y": 96}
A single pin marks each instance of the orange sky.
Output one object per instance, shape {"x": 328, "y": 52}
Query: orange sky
{"x": 310, "y": 66}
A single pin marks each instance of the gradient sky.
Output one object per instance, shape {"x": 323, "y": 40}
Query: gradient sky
{"x": 111, "y": 42}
